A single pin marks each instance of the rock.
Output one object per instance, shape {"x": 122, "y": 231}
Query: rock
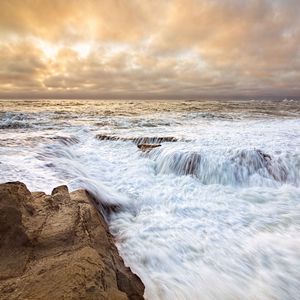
{"x": 59, "y": 247}
{"x": 179, "y": 162}
{"x": 153, "y": 140}
{"x": 137, "y": 140}
{"x": 254, "y": 161}
{"x": 15, "y": 210}
{"x": 191, "y": 163}
{"x": 104, "y": 137}
{"x": 65, "y": 140}
{"x": 147, "y": 147}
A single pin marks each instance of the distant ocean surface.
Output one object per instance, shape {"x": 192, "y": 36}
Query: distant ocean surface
{"x": 214, "y": 214}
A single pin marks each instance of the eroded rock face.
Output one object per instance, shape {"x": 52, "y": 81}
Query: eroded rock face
{"x": 58, "y": 247}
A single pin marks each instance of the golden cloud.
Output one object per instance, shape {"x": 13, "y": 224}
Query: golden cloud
{"x": 180, "y": 48}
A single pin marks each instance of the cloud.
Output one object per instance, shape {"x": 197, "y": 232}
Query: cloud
{"x": 21, "y": 67}
{"x": 73, "y": 20}
{"x": 180, "y": 48}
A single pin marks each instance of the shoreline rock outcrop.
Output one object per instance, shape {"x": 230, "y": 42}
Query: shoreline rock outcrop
{"x": 58, "y": 246}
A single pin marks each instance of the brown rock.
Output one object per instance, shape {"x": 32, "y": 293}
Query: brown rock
{"x": 59, "y": 247}
{"x": 105, "y": 137}
{"x": 181, "y": 163}
{"x": 137, "y": 140}
{"x": 153, "y": 140}
{"x": 147, "y": 147}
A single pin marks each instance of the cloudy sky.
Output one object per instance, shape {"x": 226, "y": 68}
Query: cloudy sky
{"x": 150, "y": 49}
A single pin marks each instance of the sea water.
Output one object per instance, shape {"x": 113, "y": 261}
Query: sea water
{"x": 212, "y": 215}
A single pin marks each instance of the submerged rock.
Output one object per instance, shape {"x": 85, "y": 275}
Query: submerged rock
{"x": 59, "y": 247}
{"x": 66, "y": 140}
{"x": 179, "y": 163}
{"x": 190, "y": 164}
{"x": 147, "y": 147}
{"x": 254, "y": 161}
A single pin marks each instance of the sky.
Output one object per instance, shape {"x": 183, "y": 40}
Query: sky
{"x": 150, "y": 49}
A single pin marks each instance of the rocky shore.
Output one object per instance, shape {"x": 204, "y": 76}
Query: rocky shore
{"x": 58, "y": 246}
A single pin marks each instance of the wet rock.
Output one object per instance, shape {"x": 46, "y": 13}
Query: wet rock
{"x": 191, "y": 164}
{"x": 278, "y": 171}
{"x": 147, "y": 147}
{"x": 187, "y": 163}
{"x": 275, "y": 168}
{"x": 256, "y": 161}
{"x": 104, "y": 137}
{"x": 252, "y": 159}
{"x": 65, "y": 140}
{"x": 153, "y": 140}
{"x": 264, "y": 156}
{"x": 179, "y": 163}
{"x": 137, "y": 140}
{"x": 59, "y": 247}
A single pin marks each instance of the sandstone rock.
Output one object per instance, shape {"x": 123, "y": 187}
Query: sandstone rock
{"x": 59, "y": 247}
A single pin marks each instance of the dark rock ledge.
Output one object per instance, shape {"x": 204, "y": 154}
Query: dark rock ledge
{"x": 58, "y": 247}
{"x": 137, "y": 140}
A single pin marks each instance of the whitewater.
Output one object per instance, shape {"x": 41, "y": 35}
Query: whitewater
{"x": 213, "y": 213}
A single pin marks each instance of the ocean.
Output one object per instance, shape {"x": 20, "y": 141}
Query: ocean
{"x": 212, "y": 213}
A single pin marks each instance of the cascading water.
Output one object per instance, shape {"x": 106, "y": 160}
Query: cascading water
{"x": 212, "y": 213}
{"x": 234, "y": 167}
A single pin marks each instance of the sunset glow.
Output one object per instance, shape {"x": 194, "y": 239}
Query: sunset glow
{"x": 150, "y": 49}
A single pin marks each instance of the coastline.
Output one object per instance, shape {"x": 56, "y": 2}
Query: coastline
{"x": 59, "y": 246}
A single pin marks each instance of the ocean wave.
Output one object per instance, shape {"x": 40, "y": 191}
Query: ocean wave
{"x": 10, "y": 120}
